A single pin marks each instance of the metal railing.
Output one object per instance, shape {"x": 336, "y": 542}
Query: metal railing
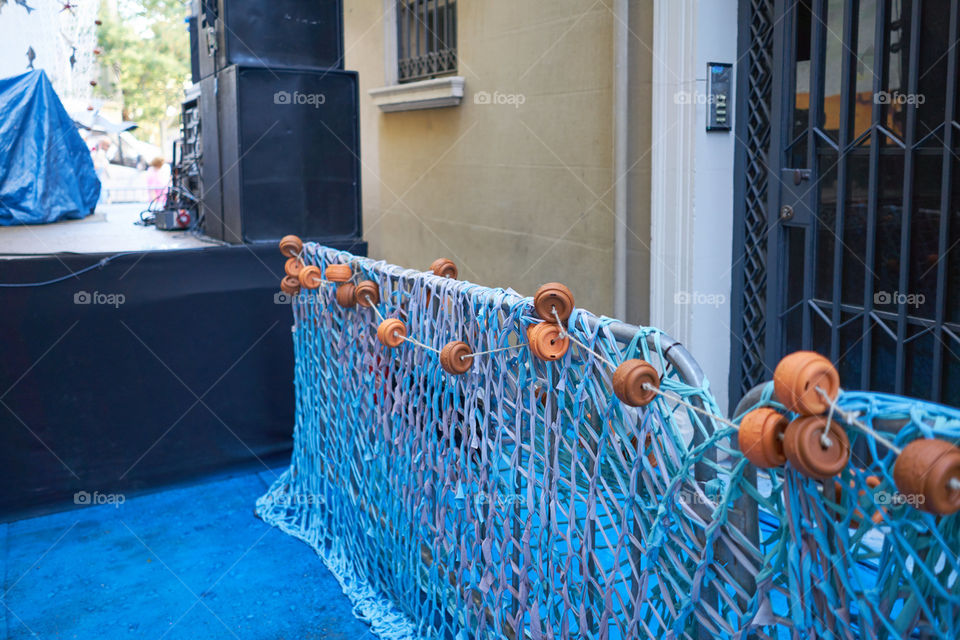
{"x": 116, "y": 195}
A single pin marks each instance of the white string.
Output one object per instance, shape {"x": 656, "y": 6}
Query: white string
{"x": 675, "y": 398}
{"x": 825, "y": 436}
{"x": 851, "y": 419}
{"x": 419, "y": 344}
{"x": 483, "y": 353}
{"x": 565, "y": 334}
{"x": 374, "y": 307}
{"x": 397, "y": 333}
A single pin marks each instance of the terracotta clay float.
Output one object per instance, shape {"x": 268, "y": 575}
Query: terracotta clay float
{"x": 445, "y": 268}
{"x": 291, "y": 246}
{"x": 797, "y": 379}
{"x": 545, "y": 341}
{"x": 391, "y": 332}
{"x": 629, "y": 380}
{"x": 815, "y": 451}
{"x": 872, "y": 482}
{"x": 367, "y": 293}
{"x": 930, "y": 468}
{"x": 760, "y": 437}
{"x": 456, "y": 357}
{"x": 346, "y": 295}
{"x": 290, "y": 285}
{"x": 310, "y": 277}
{"x": 338, "y": 272}
{"x": 551, "y": 297}
{"x": 292, "y": 267}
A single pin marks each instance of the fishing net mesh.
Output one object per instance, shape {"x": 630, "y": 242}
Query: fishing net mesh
{"x": 524, "y": 500}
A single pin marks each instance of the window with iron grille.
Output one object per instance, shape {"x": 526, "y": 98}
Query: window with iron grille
{"x": 426, "y": 38}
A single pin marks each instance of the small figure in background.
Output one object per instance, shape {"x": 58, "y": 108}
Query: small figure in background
{"x": 157, "y": 179}
{"x": 23, "y": 3}
{"x": 101, "y": 163}
{"x": 73, "y": 58}
{"x": 31, "y": 56}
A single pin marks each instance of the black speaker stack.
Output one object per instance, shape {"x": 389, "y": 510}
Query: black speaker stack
{"x": 273, "y": 122}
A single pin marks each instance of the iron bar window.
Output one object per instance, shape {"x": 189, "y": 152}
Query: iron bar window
{"x": 426, "y": 38}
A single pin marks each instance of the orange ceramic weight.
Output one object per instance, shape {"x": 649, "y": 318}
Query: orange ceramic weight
{"x": 445, "y": 268}
{"x": 647, "y": 444}
{"x": 545, "y": 341}
{"x": 929, "y": 468}
{"x": 456, "y": 357}
{"x": 291, "y": 246}
{"x": 760, "y": 437}
{"x": 290, "y": 285}
{"x": 346, "y": 295}
{"x": 532, "y": 341}
{"x": 808, "y": 451}
{"x": 550, "y": 296}
{"x": 367, "y": 293}
{"x": 391, "y": 332}
{"x": 797, "y": 378}
{"x": 310, "y": 277}
{"x": 292, "y": 267}
{"x": 629, "y": 380}
{"x": 338, "y": 272}
{"x": 872, "y": 482}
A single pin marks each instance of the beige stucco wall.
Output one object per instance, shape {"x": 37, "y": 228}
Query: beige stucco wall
{"x": 517, "y": 196}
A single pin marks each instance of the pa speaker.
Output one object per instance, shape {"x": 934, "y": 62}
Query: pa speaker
{"x": 206, "y": 12}
{"x": 289, "y": 154}
{"x": 208, "y": 159}
{"x": 280, "y": 33}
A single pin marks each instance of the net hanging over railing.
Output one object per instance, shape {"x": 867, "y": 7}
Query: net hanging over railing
{"x": 470, "y": 463}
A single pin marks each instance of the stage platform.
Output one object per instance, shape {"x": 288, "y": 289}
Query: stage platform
{"x": 110, "y": 229}
{"x": 191, "y": 563}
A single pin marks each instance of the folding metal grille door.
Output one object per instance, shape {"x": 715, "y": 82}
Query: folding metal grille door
{"x": 863, "y": 193}
{"x": 755, "y": 81}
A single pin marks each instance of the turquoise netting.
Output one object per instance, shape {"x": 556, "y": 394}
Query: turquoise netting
{"x": 523, "y": 500}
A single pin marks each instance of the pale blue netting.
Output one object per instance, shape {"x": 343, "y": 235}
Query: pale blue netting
{"x": 524, "y": 500}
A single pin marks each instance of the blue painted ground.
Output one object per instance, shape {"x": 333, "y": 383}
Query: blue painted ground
{"x": 192, "y": 563}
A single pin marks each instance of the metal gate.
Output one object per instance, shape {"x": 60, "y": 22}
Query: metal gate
{"x": 862, "y": 189}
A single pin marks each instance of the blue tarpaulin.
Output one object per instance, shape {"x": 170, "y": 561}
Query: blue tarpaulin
{"x": 46, "y": 172}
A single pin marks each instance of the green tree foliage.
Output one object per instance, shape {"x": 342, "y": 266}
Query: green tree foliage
{"x": 145, "y": 59}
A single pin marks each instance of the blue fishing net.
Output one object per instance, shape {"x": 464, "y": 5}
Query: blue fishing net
{"x": 523, "y": 499}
